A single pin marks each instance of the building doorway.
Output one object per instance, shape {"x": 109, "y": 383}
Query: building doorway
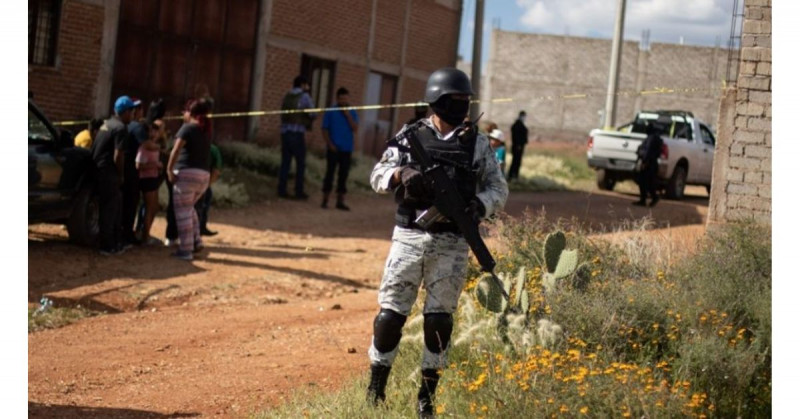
{"x": 377, "y": 124}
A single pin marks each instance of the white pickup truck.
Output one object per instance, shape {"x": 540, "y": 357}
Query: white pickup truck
{"x": 686, "y": 157}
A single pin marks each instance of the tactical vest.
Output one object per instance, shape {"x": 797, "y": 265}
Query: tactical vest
{"x": 292, "y": 102}
{"x": 457, "y": 156}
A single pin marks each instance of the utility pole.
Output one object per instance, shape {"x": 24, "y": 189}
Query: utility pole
{"x": 613, "y": 73}
{"x": 477, "y": 45}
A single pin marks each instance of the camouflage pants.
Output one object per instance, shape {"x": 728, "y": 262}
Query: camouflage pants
{"x": 439, "y": 263}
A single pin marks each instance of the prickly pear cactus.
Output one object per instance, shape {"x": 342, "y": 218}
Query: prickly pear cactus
{"x": 554, "y": 244}
{"x": 560, "y": 263}
{"x": 489, "y": 294}
{"x": 516, "y": 323}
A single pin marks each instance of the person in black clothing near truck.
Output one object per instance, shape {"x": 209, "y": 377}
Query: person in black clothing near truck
{"x": 647, "y": 163}
{"x": 519, "y": 137}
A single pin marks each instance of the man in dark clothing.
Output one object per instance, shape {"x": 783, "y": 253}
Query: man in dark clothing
{"x": 647, "y": 164}
{"x": 338, "y": 130}
{"x": 137, "y": 134}
{"x": 519, "y": 137}
{"x": 108, "y": 153}
{"x": 293, "y": 132}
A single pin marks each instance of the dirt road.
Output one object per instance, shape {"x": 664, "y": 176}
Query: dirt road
{"x": 283, "y": 298}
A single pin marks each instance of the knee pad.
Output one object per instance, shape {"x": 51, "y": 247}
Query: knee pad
{"x": 387, "y": 330}
{"x": 438, "y": 327}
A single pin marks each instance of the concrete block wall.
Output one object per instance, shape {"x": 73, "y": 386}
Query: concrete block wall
{"x": 742, "y": 177}
{"x": 535, "y": 69}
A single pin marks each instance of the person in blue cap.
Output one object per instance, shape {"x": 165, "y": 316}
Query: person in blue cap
{"x": 108, "y": 153}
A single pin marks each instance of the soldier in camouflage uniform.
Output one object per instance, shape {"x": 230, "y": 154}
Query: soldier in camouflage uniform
{"x": 435, "y": 257}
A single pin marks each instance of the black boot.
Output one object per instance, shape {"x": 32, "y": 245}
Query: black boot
{"x": 427, "y": 392}
{"x": 376, "y": 392}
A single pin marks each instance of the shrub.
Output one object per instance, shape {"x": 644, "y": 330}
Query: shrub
{"x": 671, "y": 338}
{"x": 266, "y": 161}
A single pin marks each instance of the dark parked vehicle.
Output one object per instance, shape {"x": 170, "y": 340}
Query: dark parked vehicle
{"x": 60, "y": 181}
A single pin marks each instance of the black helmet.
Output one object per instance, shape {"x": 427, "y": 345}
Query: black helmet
{"x": 447, "y": 81}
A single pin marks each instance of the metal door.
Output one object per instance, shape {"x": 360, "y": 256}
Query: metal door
{"x": 174, "y": 49}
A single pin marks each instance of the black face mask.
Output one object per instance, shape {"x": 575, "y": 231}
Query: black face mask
{"x": 452, "y": 111}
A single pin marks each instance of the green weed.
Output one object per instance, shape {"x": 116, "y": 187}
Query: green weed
{"x": 55, "y": 317}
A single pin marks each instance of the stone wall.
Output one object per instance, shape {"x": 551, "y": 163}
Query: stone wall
{"x": 742, "y": 179}
{"x": 531, "y": 67}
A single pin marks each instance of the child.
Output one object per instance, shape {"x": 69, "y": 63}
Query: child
{"x": 148, "y": 162}
{"x": 496, "y": 140}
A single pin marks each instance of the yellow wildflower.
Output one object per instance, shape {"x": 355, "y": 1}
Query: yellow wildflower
{"x": 584, "y": 410}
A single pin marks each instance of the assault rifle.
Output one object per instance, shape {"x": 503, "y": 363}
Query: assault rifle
{"x": 448, "y": 202}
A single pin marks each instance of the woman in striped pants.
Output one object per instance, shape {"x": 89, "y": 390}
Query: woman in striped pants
{"x": 188, "y": 172}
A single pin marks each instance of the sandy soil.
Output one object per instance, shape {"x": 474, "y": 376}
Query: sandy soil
{"x": 283, "y": 298}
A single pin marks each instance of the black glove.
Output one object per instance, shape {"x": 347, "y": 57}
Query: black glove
{"x": 413, "y": 182}
{"x": 475, "y": 210}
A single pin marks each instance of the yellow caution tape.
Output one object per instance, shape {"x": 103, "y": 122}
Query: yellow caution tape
{"x": 653, "y": 91}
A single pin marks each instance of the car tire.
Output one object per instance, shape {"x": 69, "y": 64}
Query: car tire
{"x": 677, "y": 183}
{"x": 605, "y": 179}
{"x": 83, "y": 225}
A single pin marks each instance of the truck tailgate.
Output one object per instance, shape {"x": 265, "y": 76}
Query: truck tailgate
{"x": 615, "y": 145}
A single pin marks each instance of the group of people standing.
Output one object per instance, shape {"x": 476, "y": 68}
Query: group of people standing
{"x": 132, "y": 158}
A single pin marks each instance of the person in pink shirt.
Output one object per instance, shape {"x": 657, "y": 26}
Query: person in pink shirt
{"x": 148, "y": 163}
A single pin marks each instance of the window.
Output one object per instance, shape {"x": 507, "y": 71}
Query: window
{"x": 320, "y": 73}
{"x": 681, "y": 130}
{"x": 706, "y": 136}
{"x": 43, "y": 18}
{"x": 37, "y": 130}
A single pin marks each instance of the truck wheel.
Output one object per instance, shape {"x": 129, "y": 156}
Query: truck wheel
{"x": 605, "y": 179}
{"x": 83, "y": 225}
{"x": 677, "y": 183}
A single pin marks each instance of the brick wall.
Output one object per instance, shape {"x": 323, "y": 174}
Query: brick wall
{"x": 67, "y": 90}
{"x": 742, "y": 179}
{"x": 339, "y": 31}
{"x": 529, "y": 66}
